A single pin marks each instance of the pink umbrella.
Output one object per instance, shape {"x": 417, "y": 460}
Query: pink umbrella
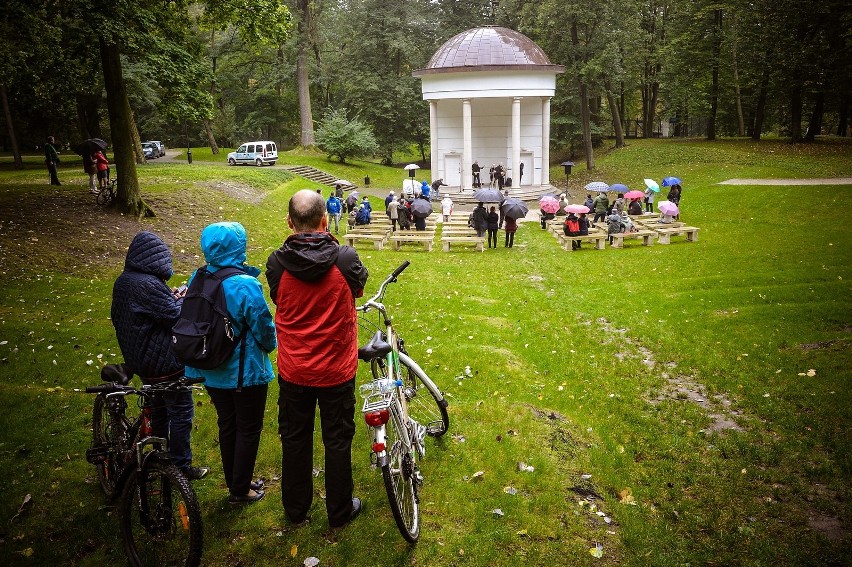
{"x": 634, "y": 195}
{"x": 577, "y": 209}
{"x": 549, "y": 204}
{"x": 668, "y": 208}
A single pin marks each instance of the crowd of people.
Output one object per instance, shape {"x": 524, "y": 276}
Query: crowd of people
{"x": 313, "y": 283}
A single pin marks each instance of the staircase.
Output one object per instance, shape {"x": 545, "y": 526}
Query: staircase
{"x": 314, "y": 175}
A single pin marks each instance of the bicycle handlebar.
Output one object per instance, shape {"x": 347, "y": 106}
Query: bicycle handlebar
{"x": 399, "y": 270}
{"x": 380, "y": 294}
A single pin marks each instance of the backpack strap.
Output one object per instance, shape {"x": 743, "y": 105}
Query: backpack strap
{"x": 222, "y": 275}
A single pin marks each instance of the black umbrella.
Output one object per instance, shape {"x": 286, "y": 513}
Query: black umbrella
{"x": 421, "y": 208}
{"x": 90, "y": 146}
{"x": 488, "y": 196}
{"x": 514, "y": 208}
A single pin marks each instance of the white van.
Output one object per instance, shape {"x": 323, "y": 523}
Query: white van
{"x": 258, "y": 153}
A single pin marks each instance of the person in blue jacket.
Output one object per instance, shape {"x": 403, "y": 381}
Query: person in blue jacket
{"x": 239, "y": 395}
{"x": 425, "y": 190}
{"x": 333, "y": 206}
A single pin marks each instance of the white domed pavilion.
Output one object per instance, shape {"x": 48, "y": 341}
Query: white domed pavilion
{"x": 489, "y": 91}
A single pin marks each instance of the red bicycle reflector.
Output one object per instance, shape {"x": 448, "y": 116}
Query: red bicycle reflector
{"x": 377, "y": 418}
{"x": 378, "y": 447}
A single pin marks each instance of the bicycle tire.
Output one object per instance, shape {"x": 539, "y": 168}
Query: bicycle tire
{"x": 105, "y": 197}
{"x": 175, "y": 534}
{"x": 111, "y": 434}
{"x": 426, "y": 404}
{"x": 401, "y": 483}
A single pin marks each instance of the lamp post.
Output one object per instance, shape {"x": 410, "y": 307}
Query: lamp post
{"x": 188, "y": 149}
{"x": 567, "y": 165}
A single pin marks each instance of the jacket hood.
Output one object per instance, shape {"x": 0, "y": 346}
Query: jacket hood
{"x": 224, "y": 244}
{"x": 148, "y": 254}
{"x": 307, "y": 255}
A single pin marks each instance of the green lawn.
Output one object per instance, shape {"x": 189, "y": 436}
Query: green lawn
{"x": 612, "y": 373}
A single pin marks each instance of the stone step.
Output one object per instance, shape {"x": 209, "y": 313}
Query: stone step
{"x": 313, "y": 174}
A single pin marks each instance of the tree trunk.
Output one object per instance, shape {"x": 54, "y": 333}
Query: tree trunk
{"x": 137, "y": 141}
{"x": 88, "y": 122}
{"x": 714, "y": 88}
{"x": 584, "y": 108}
{"x": 129, "y": 200}
{"x": 843, "y": 123}
{"x": 737, "y": 94}
{"x": 302, "y": 78}
{"x": 10, "y": 128}
{"x": 616, "y": 117}
{"x": 815, "y": 124}
{"x": 760, "y": 109}
{"x": 211, "y": 139}
{"x": 796, "y": 112}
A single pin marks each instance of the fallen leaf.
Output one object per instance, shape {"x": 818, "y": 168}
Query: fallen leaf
{"x": 498, "y": 512}
{"x": 477, "y": 475}
{"x": 311, "y": 562}
{"x": 521, "y": 533}
{"x": 28, "y": 552}
{"x": 294, "y": 550}
{"x": 626, "y": 497}
{"x": 811, "y": 372}
{"x": 597, "y": 551}
{"x": 510, "y": 490}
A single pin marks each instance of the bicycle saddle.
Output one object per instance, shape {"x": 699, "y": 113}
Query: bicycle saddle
{"x": 377, "y": 347}
{"x": 120, "y": 373}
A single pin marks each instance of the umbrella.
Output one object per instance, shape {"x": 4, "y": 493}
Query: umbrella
{"x": 668, "y": 208}
{"x": 488, "y": 196}
{"x": 90, "y": 146}
{"x": 344, "y": 183}
{"x": 514, "y": 208}
{"x": 551, "y": 195}
{"x": 634, "y": 194}
{"x": 576, "y": 209}
{"x": 411, "y": 167}
{"x": 421, "y": 208}
{"x": 619, "y": 188}
{"x": 549, "y": 205}
{"x": 652, "y": 185}
{"x": 668, "y": 181}
{"x": 598, "y": 186}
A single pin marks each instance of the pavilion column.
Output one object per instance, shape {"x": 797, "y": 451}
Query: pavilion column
{"x": 545, "y": 140}
{"x": 516, "y": 141}
{"x": 433, "y": 138}
{"x": 467, "y": 151}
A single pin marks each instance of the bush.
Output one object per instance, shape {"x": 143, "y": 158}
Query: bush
{"x": 341, "y": 137}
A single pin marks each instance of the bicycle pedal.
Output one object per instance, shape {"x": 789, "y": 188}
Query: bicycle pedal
{"x": 97, "y": 455}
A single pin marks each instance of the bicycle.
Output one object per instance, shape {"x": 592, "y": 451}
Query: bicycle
{"x": 107, "y": 194}
{"x": 160, "y": 518}
{"x": 402, "y": 405}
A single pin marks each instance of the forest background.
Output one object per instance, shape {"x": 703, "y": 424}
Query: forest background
{"x": 220, "y": 72}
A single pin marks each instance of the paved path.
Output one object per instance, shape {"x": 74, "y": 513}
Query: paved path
{"x": 824, "y": 181}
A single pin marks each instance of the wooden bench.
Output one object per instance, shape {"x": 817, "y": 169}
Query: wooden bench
{"x": 479, "y": 241}
{"x": 424, "y": 236}
{"x": 599, "y": 238}
{"x": 647, "y": 237}
{"x": 665, "y": 234}
{"x": 378, "y": 239}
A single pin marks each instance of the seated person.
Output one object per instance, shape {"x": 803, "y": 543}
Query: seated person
{"x": 665, "y": 219}
{"x": 362, "y": 216}
{"x": 571, "y": 227}
{"x": 613, "y": 222}
{"x": 634, "y": 208}
{"x": 627, "y": 224}
{"x": 583, "y": 221}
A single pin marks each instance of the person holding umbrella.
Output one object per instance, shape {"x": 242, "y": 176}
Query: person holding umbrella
{"x": 480, "y": 219}
{"x": 601, "y": 207}
{"x": 493, "y": 226}
{"x": 674, "y": 197}
{"x": 51, "y": 159}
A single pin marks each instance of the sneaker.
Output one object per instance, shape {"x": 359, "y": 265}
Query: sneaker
{"x": 247, "y": 498}
{"x": 356, "y": 510}
{"x": 195, "y": 473}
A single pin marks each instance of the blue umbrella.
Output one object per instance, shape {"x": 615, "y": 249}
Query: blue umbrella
{"x": 671, "y": 181}
{"x": 619, "y": 188}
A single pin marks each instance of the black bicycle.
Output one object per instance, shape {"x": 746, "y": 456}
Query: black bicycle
{"x": 160, "y": 517}
{"x": 108, "y": 193}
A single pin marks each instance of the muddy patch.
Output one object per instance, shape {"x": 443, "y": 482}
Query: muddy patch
{"x": 828, "y": 526}
{"x": 236, "y": 190}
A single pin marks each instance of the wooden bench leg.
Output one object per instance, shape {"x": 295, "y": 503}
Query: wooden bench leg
{"x": 446, "y": 246}
{"x": 648, "y": 240}
{"x": 665, "y": 238}
{"x": 600, "y": 244}
{"x": 617, "y": 242}
{"x": 428, "y": 246}
{"x": 397, "y": 245}
{"x": 379, "y": 244}
{"x": 692, "y": 236}
{"x": 480, "y": 247}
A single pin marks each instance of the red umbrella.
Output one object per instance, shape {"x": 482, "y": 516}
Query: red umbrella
{"x": 634, "y": 194}
{"x": 576, "y": 209}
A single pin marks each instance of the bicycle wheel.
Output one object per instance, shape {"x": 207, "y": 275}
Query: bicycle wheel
{"x": 160, "y": 518}
{"x": 402, "y": 479}
{"x": 105, "y": 196}
{"x": 109, "y": 435}
{"x": 426, "y": 403}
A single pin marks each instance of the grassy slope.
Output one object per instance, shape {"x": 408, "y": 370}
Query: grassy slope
{"x": 555, "y": 342}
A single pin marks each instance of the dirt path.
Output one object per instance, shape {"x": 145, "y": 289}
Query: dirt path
{"x": 823, "y": 181}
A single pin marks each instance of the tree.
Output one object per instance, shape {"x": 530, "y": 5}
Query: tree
{"x": 338, "y": 136}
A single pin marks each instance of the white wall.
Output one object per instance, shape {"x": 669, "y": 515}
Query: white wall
{"x": 488, "y": 84}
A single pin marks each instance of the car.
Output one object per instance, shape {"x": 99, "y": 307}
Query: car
{"x": 258, "y": 153}
{"x": 159, "y": 147}
{"x": 150, "y": 150}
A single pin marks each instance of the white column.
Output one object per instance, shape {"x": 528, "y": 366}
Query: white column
{"x": 516, "y": 142}
{"x": 545, "y": 140}
{"x": 467, "y": 151}
{"x": 433, "y": 139}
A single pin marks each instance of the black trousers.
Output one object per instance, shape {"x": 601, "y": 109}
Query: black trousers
{"x": 240, "y": 419}
{"x": 51, "y": 170}
{"x": 599, "y": 216}
{"x": 510, "y": 239}
{"x": 296, "y": 410}
{"x": 492, "y": 236}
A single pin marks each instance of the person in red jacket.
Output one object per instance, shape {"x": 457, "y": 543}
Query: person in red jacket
{"x": 313, "y": 283}
{"x": 103, "y": 169}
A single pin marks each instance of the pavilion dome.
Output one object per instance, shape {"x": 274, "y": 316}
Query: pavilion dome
{"x": 488, "y": 48}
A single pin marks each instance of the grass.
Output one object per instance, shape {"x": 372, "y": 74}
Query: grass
{"x": 581, "y": 364}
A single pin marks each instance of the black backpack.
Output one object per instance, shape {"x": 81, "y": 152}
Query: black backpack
{"x": 203, "y": 337}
